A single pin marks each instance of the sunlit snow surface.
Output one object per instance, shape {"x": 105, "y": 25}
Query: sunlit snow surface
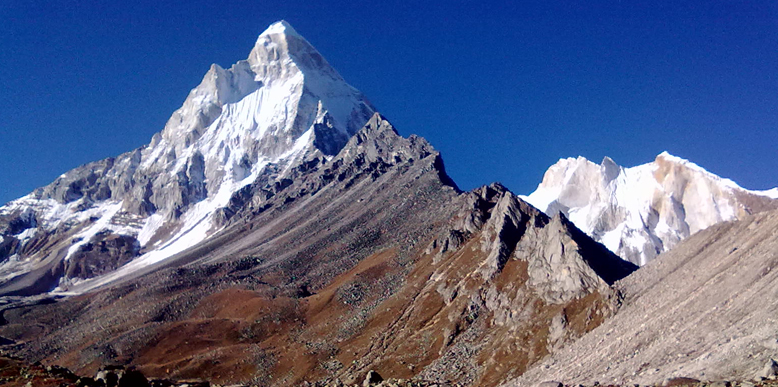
{"x": 259, "y": 112}
{"x": 643, "y": 210}
{"x": 770, "y": 193}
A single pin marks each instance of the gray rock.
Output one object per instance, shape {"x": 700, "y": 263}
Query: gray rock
{"x": 372, "y": 378}
{"x": 104, "y": 253}
{"x": 684, "y": 313}
{"x": 770, "y": 370}
{"x": 109, "y": 377}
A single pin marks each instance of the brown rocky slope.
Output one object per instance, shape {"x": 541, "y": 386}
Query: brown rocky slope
{"x": 372, "y": 259}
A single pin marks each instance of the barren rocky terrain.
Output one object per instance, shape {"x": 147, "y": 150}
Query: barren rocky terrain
{"x": 280, "y": 232}
{"x": 705, "y": 310}
{"x": 372, "y": 260}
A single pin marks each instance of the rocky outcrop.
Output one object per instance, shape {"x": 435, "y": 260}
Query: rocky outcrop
{"x": 703, "y": 310}
{"x": 561, "y": 269}
{"x": 104, "y": 253}
{"x": 562, "y": 262}
{"x": 484, "y": 299}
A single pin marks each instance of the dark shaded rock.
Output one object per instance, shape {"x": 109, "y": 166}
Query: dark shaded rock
{"x": 192, "y": 383}
{"x": 62, "y": 372}
{"x": 104, "y": 253}
{"x": 680, "y": 381}
{"x": 88, "y": 382}
{"x": 133, "y": 378}
{"x": 8, "y": 246}
{"x": 161, "y": 383}
{"x": 16, "y": 223}
{"x": 371, "y": 378}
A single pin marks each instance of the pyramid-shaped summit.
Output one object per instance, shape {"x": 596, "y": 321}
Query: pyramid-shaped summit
{"x": 280, "y": 106}
{"x": 281, "y": 27}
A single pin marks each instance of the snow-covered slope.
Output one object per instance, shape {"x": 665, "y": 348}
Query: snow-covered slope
{"x": 281, "y": 106}
{"x": 645, "y": 210}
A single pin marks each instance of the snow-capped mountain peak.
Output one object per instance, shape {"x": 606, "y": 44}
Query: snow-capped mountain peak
{"x": 257, "y": 118}
{"x": 642, "y": 211}
{"x": 281, "y": 27}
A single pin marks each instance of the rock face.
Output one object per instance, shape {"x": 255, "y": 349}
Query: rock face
{"x": 642, "y": 211}
{"x": 770, "y": 370}
{"x": 704, "y": 310}
{"x": 258, "y": 119}
{"x": 368, "y": 260}
{"x": 103, "y": 254}
{"x": 511, "y": 287}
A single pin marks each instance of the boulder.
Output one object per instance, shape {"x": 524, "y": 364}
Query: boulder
{"x": 372, "y": 378}
{"x": 680, "y": 381}
{"x": 133, "y": 378}
{"x": 770, "y": 370}
{"x": 109, "y": 377}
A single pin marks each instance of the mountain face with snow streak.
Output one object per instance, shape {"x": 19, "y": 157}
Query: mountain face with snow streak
{"x": 282, "y": 106}
{"x": 642, "y": 211}
{"x": 374, "y": 245}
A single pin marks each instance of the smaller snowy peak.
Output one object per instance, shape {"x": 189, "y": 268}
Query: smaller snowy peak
{"x": 642, "y": 211}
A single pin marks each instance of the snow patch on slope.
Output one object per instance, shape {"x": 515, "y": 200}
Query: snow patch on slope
{"x": 107, "y": 212}
{"x": 197, "y": 225}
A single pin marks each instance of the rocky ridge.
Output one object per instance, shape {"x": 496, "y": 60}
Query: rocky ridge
{"x": 371, "y": 259}
{"x": 704, "y": 310}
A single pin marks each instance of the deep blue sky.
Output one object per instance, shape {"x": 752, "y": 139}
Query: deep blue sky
{"x": 503, "y": 90}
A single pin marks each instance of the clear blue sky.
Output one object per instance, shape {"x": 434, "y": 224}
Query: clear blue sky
{"x": 503, "y": 90}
